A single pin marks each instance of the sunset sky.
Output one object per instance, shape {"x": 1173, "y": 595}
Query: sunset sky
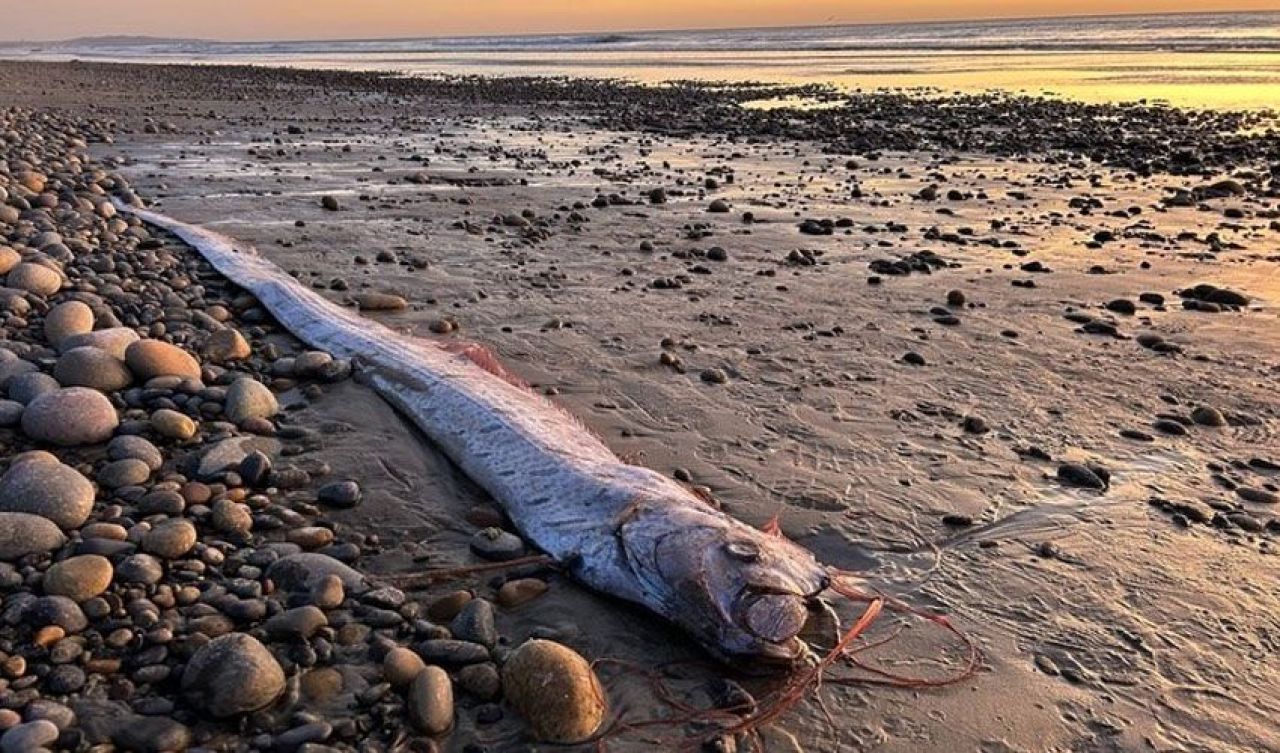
{"x": 315, "y": 19}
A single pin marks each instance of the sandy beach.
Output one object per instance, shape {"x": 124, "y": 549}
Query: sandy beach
{"x": 1010, "y": 360}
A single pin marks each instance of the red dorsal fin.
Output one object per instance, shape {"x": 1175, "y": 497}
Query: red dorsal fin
{"x": 772, "y": 527}
{"x": 487, "y": 360}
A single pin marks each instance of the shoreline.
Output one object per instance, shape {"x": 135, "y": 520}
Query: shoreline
{"x": 572, "y": 228}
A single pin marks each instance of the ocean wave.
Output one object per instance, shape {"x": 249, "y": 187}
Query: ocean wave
{"x": 1228, "y": 32}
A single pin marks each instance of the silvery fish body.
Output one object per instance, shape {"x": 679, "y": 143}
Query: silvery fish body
{"x": 622, "y": 530}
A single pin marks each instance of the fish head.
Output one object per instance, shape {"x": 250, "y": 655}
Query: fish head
{"x": 745, "y": 594}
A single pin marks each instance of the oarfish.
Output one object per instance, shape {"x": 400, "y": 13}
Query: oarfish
{"x": 622, "y": 530}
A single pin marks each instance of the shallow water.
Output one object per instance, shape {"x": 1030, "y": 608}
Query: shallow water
{"x": 1227, "y": 61}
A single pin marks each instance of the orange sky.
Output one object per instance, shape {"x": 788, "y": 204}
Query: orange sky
{"x": 301, "y": 19}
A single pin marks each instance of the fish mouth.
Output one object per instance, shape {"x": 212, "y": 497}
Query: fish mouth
{"x": 774, "y": 622}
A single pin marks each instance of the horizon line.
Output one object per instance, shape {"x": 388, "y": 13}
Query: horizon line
{"x": 651, "y": 30}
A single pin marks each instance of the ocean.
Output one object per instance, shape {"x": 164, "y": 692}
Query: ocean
{"x": 1219, "y": 60}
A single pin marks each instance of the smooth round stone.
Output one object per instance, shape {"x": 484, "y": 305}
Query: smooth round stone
{"x": 154, "y": 358}
{"x": 23, "y": 534}
{"x": 232, "y": 517}
{"x": 51, "y": 490}
{"x": 233, "y": 674}
{"x": 311, "y": 364}
{"x": 30, "y": 737}
{"x": 226, "y": 345}
{"x": 301, "y": 572}
{"x": 14, "y": 367}
{"x": 480, "y": 680}
{"x": 513, "y": 593}
{"x": 328, "y": 592}
{"x": 311, "y": 537}
{"x": 137, "y": 448}
{"x": 8, "y": 257}
{"x": 61, "y": 716}
{"x": 497, "y": 545}
{"x": 70, "y": 417}
{"x": 300, "y": 623}
{"x": 126, "y": 472}
{"x": 34, "y": 278}
{"x": 151, "y": 734}
{"x": 430, "y": 701}
{"x": 67, "y": 319}
{"x": 173, "y": 425}
{"x": 56, "y": 610}
{"x": 1207, "y": 416}
{"x": 92, "y": 367}
{"x": 380, "y": 302}
{"x": 555, "y": 690}
{"x": 249, "y": 398}
{"x": 401, "y": 665}
{"x": 27, "y": 387}
{"x": 339, "y": 494}
{"x": 115, "y": 340}
{"x": 475, "y": 623}
{"x": 65, "y": 679}
{"x": 170, "y": 540}
{"x": 79, "y": 578}
{"x": 140, "y": 568}
{"x": 11, "y": 413}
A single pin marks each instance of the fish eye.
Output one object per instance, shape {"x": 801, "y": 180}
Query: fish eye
{"x": 743, "y": 550}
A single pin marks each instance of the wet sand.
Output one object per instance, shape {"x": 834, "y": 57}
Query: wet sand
{"x": 1137, "y": 617}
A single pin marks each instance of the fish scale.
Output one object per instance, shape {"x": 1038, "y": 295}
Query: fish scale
{"x": 620, "y": 529}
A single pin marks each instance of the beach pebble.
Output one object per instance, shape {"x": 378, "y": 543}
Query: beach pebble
{"x": 497, "y": 545}
{"x": 475, "y": 623}
{"x": 298, "y": 624}
{"x": 155, "y": 358}
{"x": 171, "y": 539}
{"x": 302, "y": 571}
{"x": 231, "y": 517}
{"x": 114, "y": 340}
{"x": 11, "y": 413}
{"x": 430, "y": 701}
{"x": 233, "y": 674}
{"x": 24, "y": 388}
{"x": 22, "y": 534}
{"x": 328, "y": 592}
{"x": 1207, "y": 416}
{"x": 248, "y": 398}
{"x": 140, "y": 568}
{"x": 171, "y": 424}
{"x": 67, "y": 319}
{"x": 342, "y": 494}
{"x": 151, "y": 734}
{"x": 401, "y": 666}
{"x": 126, "y": 472}
{"x": 555, "y": 691}
{"x": 226, "y": 345}
{"x": 91, "y": 367}
{"x": 79, "y": 578}
{"x": 12, "y": 368}
{"x": 69, "y": 417}
{"x": 137, "y": 448}
{"x": 380, "y": 302}
{"x": 513, "y": 593}
{"x": 51, "y": 490}
{"x": 1075, "y": 474}
{"x": 480, "y": 680}
{"x": 330, "y": 203}
{"x": 57, "y": 611}
{"x": 34, "y": 278}
{"x": 30, "y": 737}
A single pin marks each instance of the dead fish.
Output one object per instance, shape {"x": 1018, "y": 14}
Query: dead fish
{"x": 621, "y": 529}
